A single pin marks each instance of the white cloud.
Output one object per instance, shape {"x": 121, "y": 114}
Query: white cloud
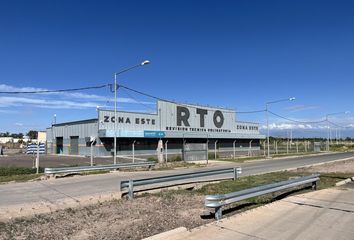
{"x": 288, "y": 126}
{"x": 44, "y": 103}
{"x": 298, "y": 108}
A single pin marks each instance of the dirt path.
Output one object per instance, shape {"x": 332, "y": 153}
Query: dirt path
{"x": 142, "y": 217}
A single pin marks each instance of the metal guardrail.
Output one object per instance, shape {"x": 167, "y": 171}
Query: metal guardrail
{"x": 218, "y": 201}
{"x": 130, "y": 184}
{"x": 95, "y": 168}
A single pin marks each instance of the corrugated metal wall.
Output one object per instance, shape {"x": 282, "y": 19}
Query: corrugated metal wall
{"x": 82, "y": 130}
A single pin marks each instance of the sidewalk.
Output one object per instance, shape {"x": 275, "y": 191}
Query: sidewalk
{"x": 325, "y": 214}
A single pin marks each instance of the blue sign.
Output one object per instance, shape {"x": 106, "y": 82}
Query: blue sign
{"x": 154, "y": 134}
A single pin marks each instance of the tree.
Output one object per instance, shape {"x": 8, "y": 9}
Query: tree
{"x": 32, "y": 134}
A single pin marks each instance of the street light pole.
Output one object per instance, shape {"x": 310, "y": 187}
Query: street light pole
{"x": 115, "y": 119}
{"x": 268, "y": 153}
{"x": 328, "y": 127}
{"x": 267, "y": 112}
{"x": 115, "y": 103}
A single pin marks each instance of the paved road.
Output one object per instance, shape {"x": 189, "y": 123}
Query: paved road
{"x": 75, "y": 187}
{"x": 325, "y": 214}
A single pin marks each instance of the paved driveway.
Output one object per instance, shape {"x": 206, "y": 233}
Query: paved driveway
{"x": 325, "y": 214}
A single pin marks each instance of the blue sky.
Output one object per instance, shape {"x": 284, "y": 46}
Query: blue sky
{"x": 236, "y": 54}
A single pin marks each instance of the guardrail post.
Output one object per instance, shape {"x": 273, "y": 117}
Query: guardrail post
{"x": 314, "y": 185}
{"x": 235, "y": 174}
{"x": 131, "y": 190}
{"x": 218, "y": 213}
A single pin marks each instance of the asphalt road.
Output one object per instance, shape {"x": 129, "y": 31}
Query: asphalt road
{"x": 52, "y": 191}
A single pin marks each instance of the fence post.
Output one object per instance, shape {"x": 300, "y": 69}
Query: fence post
{"x": 276, "y": 146}
{"x": 37, "y": 159}
{"x": 207, "y": 152}
{"x": 133, "y": 146}
{"x": 131, "y": 190}
{"x": 305, "y": 146}
{"x": 166, "y": 149}
{"x": 297, "y": 147}
{"x": 234, "y": 148}
{"x": 264, "y": 148}
{"x": 215, "y": 148}
{"x": 250, "y": 149}
{"x": 287, "y": 147}
{"x": 91, "y": 151}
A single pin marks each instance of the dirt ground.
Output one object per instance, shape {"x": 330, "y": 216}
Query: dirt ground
{"x": 142, "y": 217}
{"x": 27, "y": 160}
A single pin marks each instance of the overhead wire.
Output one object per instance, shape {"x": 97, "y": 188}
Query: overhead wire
{"x": 137, "y": 101}
{"x": 238, "y": 112}
{"x": 125, "y": 88}
{"x": 297, "y": 121}
{"x": 337, "y": 125}
{"x": 55, "y": 91}
{"x": 183, "y": 104}
{"x": 249, "y": 112}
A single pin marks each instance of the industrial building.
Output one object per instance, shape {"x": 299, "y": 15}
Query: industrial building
{"x": 181, "y": 127}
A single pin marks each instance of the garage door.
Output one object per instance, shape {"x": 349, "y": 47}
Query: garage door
{"x": 74, "y": 145}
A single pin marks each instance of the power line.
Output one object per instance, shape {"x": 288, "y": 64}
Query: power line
{"x": 292, "y": 120}
{"x": 166, "y": 100}
{"x": 337, "y": 125}
{"x": 182, "y": 104}
{"x": 248, "y": 112}
{"x": 141, "y": 103}
{"x": 54, "y": 91}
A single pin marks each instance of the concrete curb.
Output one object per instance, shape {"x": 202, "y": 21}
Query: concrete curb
{"x": 176, "y": 233}
{"x": 348, "y": 180}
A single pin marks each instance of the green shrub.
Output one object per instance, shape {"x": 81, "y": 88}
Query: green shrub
{"x": 12, "y": 170}
{"x": 212, "y": 156}
{"x": 152, "y": 159}
{"x": 176, "y": 159}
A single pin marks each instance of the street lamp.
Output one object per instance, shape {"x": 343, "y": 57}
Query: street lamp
{"x": 267, "y": 106}
{"x": 328, "y": 128}
{"x": 115, "y": 102}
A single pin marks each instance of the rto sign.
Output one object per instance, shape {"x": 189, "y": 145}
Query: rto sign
{"x": 183, "y": 117}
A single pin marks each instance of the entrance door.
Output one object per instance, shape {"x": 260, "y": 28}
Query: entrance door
{"x": 74, "y": 145}
{"x": 59, "y": 145}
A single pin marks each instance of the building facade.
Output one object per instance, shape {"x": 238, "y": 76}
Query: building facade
{"x": 173, "y": 123}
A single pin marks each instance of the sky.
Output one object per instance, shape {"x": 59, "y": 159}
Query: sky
{"x": 235, "y": 54}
